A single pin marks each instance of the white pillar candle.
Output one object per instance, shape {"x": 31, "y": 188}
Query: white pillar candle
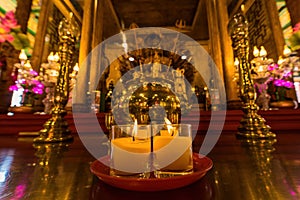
{"x": 130, "y": 156}
{"x": 173, "y": 153}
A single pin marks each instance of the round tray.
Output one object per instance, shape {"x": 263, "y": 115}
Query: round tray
{"x": 202, "y": 164}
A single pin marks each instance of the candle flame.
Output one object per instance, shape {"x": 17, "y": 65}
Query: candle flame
{"x": 236, "y": 62}
{"x": 280, "y": 60}
{"x": 263, "y": 52}
{"x": 170, "y": 128}
{"x": 134, "y": 130}
{"x": 255, "y": 51}
{"x": 287, "y": 51}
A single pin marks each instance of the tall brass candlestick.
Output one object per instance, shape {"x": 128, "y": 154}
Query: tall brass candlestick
{"x": 56, "y": 128}
{"x": 252, "y": 125}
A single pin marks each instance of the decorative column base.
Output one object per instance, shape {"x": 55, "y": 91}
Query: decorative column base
{"x": 55, "y": 130}
{"x": 253, "y": 125}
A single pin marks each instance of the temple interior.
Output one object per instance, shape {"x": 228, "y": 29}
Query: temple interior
{"x": 79, "y": 76}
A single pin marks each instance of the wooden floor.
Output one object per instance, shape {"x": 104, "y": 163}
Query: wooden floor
{"x": 241, "y": 170}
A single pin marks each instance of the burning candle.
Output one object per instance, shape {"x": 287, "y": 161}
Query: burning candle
{"x": 130, "y": 157}
{"x": 175, "y": 150}
{"x": 130, "y": 150}
{"x": 131, "y": 154}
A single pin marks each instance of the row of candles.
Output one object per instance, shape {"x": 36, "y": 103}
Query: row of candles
{"x": 165, "y": 149}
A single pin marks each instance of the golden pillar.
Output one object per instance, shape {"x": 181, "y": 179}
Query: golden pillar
{"x": 214, "y": 34}
{"x": 97, "y": 53}
{"x": 80, "y": 100}
{"x": 39, "y": 42}
{"x": 56, "y": 128}
{"x": 233, "y": 101}
{"x": 252, "y": 125}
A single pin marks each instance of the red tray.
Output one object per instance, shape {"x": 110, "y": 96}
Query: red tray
{"x": 202, "y": 164}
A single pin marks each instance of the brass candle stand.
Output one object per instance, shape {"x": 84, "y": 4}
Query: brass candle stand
{"x": 252, "y": 125}
{"x": 56, "y": 128}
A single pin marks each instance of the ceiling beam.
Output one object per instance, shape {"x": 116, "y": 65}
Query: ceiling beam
{"x": 73, "y": 10}
{"x": 114, "y": 14}
{"x": 65, "y": 9}
{"x": 201, "y": 3}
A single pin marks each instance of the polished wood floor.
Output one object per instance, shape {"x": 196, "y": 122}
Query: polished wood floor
{"x": 241, "y": 171}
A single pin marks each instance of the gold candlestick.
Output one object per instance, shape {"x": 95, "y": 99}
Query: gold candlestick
{"x": 56, "y": 128}
{"x": 252, "y": 125}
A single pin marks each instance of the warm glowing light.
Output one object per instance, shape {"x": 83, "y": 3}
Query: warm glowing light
{"x": 242, "y": 7}
{"x": 183, "y": 57}
{"x": 131, "y": 59}
{"x": 134, "y": 130}
{"x": 169, "y": 125}
{"x": 76, "y": 67}
{"x": 27, "y": 65}
{"x": 286, "y": 51}
{"x": 280, "y": 60}
{"x": 263, "y": 52}
{"x": 255, "y": 51}
{"x": 22, "y": 55}
{"x": 56, "y": 57}
{"x": 260, "y": 68}
{"x": 50, "y": 57}
{"x": 53, "y": 57}
{"x": 236, "y": 62}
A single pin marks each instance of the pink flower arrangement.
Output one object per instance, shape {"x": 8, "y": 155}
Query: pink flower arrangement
{"x": 296, "y": 27}
{"x": 7, "y": 23}
{"x": 10, "y": 31}
{"x": 280, "y": 77}
{"x": 30, "y": 85}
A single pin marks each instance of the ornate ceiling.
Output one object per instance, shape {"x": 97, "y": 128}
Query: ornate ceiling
{"x": 189, "y": 16}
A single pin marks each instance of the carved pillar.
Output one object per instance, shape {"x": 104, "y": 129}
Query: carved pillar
{"x": 233, "y": 100}
{"x": 214, "y": 41}
{"x": 36, "y": 58}
{"x": 275, "y": 26}
{"x": 97, "y": 54}
{"x": 23, "y": 10}
{"x": 294, "y": 9}
{"x": 80, "y": 92}
{"x": 214, "y": 34}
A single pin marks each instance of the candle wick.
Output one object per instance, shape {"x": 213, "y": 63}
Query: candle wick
{"x": 133, "y": 138}
{"x": 172, "y": 131}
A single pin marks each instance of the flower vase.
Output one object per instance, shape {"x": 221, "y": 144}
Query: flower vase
{"x": 28, "y": 99}
{"x": 26, "y": 104}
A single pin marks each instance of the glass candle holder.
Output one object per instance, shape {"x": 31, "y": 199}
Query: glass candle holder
{"x": 156, "y": 150}
{"x": 130, "y": 151}
{"x": 172, "y": 153}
